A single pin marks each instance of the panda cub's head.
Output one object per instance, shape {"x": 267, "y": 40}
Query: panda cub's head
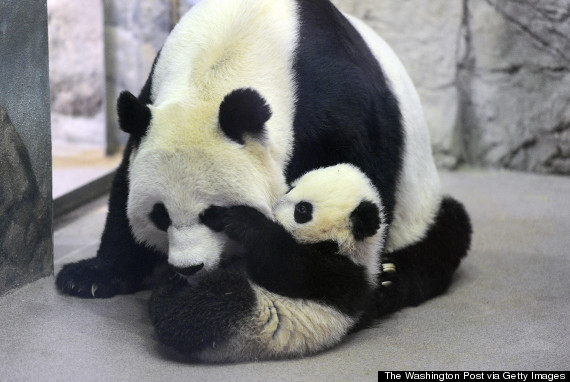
{"x": 337, "y": 203}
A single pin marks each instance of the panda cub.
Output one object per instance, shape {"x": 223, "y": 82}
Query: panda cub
{"x": 312, "y": 273}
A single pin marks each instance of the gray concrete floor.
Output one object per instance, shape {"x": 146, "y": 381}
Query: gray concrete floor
{"x": 508, "y": 307}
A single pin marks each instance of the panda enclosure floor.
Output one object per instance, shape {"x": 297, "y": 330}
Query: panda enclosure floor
{"x": 507, "y": 309}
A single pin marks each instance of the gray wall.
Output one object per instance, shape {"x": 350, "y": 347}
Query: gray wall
{"x": 26, "y": 249}
{"x": 493, "y": 76}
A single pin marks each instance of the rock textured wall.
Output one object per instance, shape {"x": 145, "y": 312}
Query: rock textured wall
{"x": 493, "y": 76}
{"x": 76, "y": 52}
{"x": 25, "y": 223}
{"x": 26, "y": 251}
{"x": 514, "y": 78}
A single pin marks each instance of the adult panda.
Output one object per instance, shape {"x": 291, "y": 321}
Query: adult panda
{"x": 245, "y": 96}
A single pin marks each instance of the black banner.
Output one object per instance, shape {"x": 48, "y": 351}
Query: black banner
{"x": 441, "y": 376}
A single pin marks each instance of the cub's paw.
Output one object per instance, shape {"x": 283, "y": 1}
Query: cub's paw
{"x": 93, "y": 278}
{"x": 213, "y": 218}
{"x": 387, "y": 277}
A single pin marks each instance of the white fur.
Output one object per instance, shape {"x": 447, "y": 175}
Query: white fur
{"x": 418, "y": 192}
{"x": 203, "y": 242}
{"x": 282, "y": 327}
{"x": 334, "y": 193}
{"x": 185, "y": 161}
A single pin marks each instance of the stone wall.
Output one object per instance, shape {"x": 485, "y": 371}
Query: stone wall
{"x": 76, "y": 52}
{"x": 26, "y": 250}
{"x": 493, "y": 76}
{"x": 514, "y": 79}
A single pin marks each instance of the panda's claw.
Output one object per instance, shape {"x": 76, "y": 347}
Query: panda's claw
{"x": 388, "y": 267}
{"x": 93, "y": 278}
{"x": 94, "y": 288}
{"x": 386, "y": 284}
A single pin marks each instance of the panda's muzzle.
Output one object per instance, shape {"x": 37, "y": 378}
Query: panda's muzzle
{"x": 189, "y": 271}
{"x": 194, "y": 248}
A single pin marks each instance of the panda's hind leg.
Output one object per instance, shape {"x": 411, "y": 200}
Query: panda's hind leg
{"x": 421, "y": 271}
{"x": 201, "y": 319}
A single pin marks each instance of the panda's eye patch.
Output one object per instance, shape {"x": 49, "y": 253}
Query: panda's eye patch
{"x": 159, "y": 216}
{"x": 303, "y": 212}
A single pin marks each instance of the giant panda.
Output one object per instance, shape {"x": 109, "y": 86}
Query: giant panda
{"x": 313, "y": 268}
{"x": 244, "y": 97}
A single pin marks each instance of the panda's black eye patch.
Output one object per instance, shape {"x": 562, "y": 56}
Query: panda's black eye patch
{"x": 159, "y": 216}
{"x": 303, "y": 212}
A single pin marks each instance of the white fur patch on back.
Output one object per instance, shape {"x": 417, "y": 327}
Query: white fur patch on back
{"x": 418, "y": 192}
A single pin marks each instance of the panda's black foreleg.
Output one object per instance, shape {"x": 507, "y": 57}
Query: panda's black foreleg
{"x": 278, "y": 263}
{"x": 274, "y": 260}
{"x": 424, "y": 270}
{"x": 121, "y": 265}
{"x": 249, "y": 227}
{"x": 191, "y": 318}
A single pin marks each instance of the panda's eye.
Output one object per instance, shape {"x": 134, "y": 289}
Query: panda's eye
{"x": 159, "y": 216}
{"x": 303, "y": 212}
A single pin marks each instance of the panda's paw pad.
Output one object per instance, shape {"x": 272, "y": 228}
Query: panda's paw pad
{"x": 91, "y": 278}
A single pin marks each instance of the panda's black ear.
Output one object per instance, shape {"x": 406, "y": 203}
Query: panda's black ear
{"x": 134, "y": 116}
{"x": 243, "y": 111}
{"x": 365, "y": 220}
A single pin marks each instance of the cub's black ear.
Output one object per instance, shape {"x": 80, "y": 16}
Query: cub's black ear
{"x": 365, "y": 220}
{"x": 134, "y": 116}
{"x": 243, "y": 111}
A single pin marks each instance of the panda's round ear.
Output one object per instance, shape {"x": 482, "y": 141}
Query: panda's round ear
{"x": 365, "y": 220}
{"x": 134, "y": 116}
{"x": 243, "y": 111}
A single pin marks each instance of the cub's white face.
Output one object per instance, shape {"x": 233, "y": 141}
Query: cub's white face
{"x": 319, "y": 206}
{"x": 188, "y": 169}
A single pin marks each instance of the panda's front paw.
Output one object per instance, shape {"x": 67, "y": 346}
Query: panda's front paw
{"x": 388, "y": 275}
{"x": 93, "y": 278}
{"x": 213, "y": 218}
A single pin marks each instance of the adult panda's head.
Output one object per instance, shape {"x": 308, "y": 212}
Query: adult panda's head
{"x": 189, "y": 156}
{"x": 337, "y": 203}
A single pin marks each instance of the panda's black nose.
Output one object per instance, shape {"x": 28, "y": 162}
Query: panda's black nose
{"x": 189, "y": 271}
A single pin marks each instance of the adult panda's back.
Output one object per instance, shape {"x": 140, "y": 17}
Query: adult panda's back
{"x": 357, "y": 104}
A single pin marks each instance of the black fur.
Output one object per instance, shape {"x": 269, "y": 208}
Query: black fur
{"x": 345, "y": 111}
{"x": 278, "y": 263}
{"x": 365, "y": 220}
{"x": 134, "y": 116}
{"x": 159, "y": 216}
{"x": 243, "y": 111}
{"x": 424, "y": 270}
{"x": 303, "y": 212}
{"x": 193, "y": 317}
